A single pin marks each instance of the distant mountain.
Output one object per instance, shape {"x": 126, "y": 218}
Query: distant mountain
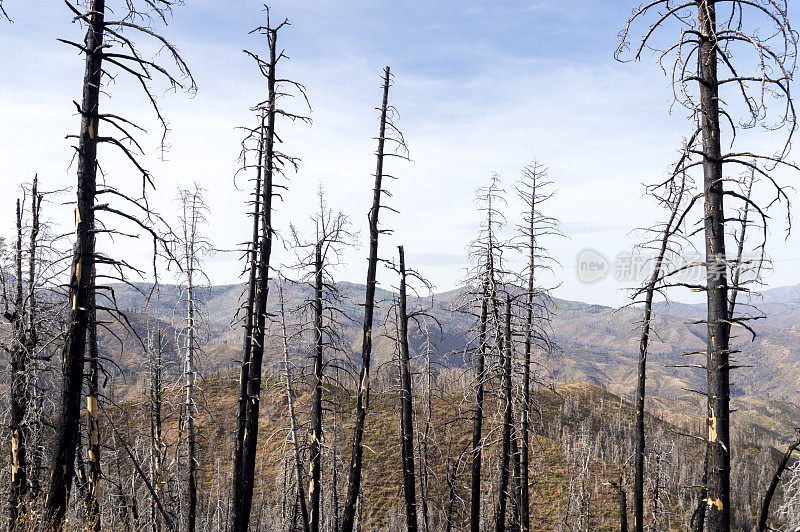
{"x": 782, "y": 294}
{"x": 598, "y": 344}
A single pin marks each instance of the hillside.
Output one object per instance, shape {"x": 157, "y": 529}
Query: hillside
{"x": 598, "y": 345}
{"x": 581, "y": 446}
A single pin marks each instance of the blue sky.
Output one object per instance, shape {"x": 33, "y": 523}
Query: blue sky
{"x": 481, "y": 87}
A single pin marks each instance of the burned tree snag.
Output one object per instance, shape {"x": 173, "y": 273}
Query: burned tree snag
{"x": 673, "y": 199}
{"x": 193, "y": 247}
{"x": 243, "y": 492}
{"x": 101, "y": 34}
{"x": 315, "y": 485}
{"x": 317, "y": 258}
{"x": 362, "y": 402}
{"x": 248, "y": 324}
{"x": 705, "y": 43}
{"x": 301, "y": 496}
{"x": 92, "y": 418}
{"x": 270, "y": 166}
{"x": 406, "y": 404}
{"x": 508, "y": 418}
{"x": 533, "y": 189}
{"x": 717, "y": 364}
{"x": 80, "y": 285}
{"x": 477, "y": 419}
{"x": 18, "y": 400}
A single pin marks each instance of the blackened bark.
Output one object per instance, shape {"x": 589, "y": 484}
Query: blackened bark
{"x": 451, "y": 495}
{"x": 525, "y": 520}
{"x": 516, "y": 489}
{"x": 477, "y": 419}
{"x": 80, "y": 286}
{"x": 189, "y": 383}
{"x": 406, "y": 404}
{"x": 92, "y": 418}
{"x": 502, "y": 488}
{"x": 241, "y": 517}
{"x": 18, "y": 407}
{"x": 315, "y": 486}
{"x": 644, "y": 341}
{"x": 717, "y": 365}
{"x": 362, "y": 402}
{"x": 622, "y": 500}
{"x": 237, "y": 495}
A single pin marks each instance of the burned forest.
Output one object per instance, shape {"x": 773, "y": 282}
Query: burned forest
{"x": 420, "y": 266}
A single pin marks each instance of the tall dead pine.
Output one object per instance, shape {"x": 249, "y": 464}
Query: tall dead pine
{"x": 271, "y": 162}
{"x": 80, "y": 285}
{"x": 362, "y": 401}
{"x": 721, "y": 53}
{"x": 101, "y": 33}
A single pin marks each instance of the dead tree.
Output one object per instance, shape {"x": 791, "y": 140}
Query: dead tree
{"x": 156, "y": 369}
{"x": 92, "y": 417}
{"x": 508, "y": 416}
{"x": 21, "y": 310}
{"x": 18, "y": 398}
{"x": 385, "y": 129}
{"x": 272, "y": 162}
{"x": 713, "y": 57}
{"x": 101, "y": 36}
{"x": 406, "y": 402}
{"x": 293, "y": 430}
{"x": 533, "y": 188}
{"x": 425, "y": 444}
{"x": 193, "y": 247}
{"x": 477, "y": 417}
{"x": 622, "y": 501}
{"x": 486, "y": 254}
{"x": 316, "y": 261}
{"x": 252, "y": 266}
{"x": 673, "y": 198}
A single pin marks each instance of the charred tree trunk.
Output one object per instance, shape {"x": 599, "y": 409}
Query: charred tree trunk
{"x": 644, "y": 342}
{"x": 406, "y": 405}
{"x": 249, "y": 317}
{"x": 19, "y": 359}
{"x": 508, "y": 417}
{"x": 622, "y": 499}
{"x": 525, "y": 520}
{"x": 241, "y": 513}
{"x": 34, "y": 399}
{"x": 451, "y": 495}
{"x": 477, "y": 420}
{"x": 362, "y": 402}
{"x": 516, "y": 489}
{"x": 92, "y": 418}
{"x": 315, "y": 485}
{"x": 190, "y": 517}
{"x": 80, "y": 286}
{"x": 717, "y": 364}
